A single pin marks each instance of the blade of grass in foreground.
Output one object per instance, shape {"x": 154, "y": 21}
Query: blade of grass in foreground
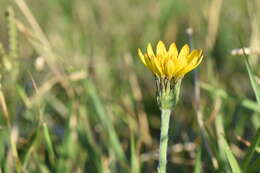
{"x": 48, "y": 142}
{"x": 86, "y": 138}
{"x": 26, "y": 155}
{"x": 252, "y": 78}
{"x": 231, "y": 159}
{"x": 104, "y": 118}
{"x": 247, "y": 103}
{"x": 254, "y": 166}
{"x": 224, "y": 165}
{"x": 135, "y": 163}
{"x": 255, "y": 142}
{"x": 225, "y": 151}
{"x": 197, "y": 168}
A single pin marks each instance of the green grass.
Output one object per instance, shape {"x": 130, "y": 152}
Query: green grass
{"x": 91, "y": 106}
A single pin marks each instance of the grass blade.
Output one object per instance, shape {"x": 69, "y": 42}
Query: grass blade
{"x": 247, "y": 103}
{"x": 252, "y": 79}
{"x": 48, "y": 141}
{"x": 104, "y": 118}
{"x": 255, "y": 142}
{"x": 231, "y": 158}
{"x": 197, "y": 168}
{"x": 254, "y": 166}
{"x": 225, "y": 151}
{"x": 26, "y": 155}
{"x": 135, "y": 162}
{"x": 86, "y": 138}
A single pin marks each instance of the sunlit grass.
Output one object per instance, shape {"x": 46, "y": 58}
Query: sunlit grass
{"x": 75, "y": 98}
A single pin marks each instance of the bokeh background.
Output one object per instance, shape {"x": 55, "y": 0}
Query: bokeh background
{"x": 75, "y": 97}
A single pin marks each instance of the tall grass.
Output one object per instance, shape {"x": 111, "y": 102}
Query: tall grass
{"x": 75, "y": 98}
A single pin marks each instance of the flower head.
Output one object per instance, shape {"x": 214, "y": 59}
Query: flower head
{"x": 170, "y": 67}
{"x": 171, "y": 64}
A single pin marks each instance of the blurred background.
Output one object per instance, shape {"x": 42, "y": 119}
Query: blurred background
{"x": 75, "y": 97}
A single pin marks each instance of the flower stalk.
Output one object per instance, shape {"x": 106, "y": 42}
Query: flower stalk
{"x": 165, "y": 121}
{"x": 167, "y": 96}
{"x": 169, "y": 67}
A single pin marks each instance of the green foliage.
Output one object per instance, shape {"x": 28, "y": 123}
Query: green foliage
{"x": 252, "y": 80}
{"x": 197, "y": 167}
{"x": 249, "y": 154}
{"x": 75, "y": 98}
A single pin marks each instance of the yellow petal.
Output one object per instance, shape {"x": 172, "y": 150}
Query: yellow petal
{"x": 160, "y": 49}
{"x": 194, "y": 54}
{"x": 173, "y": 51}
{"x": 198, "y": 62}
{"x": 150, "y": 50}
{"x": 151, "y": 65}
{"x": 170, "y": 68}
{"x": 148, "y": 62}
{"x": 192, "y": 65}
{"x": 200, "y": 52}
{"x": 182, "y": 57}
{"x": 184, "y": 52}
{"x": 141, "y": 56}
{"x": 159, "y": 67}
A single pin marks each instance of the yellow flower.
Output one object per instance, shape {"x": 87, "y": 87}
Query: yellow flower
{"x": 170, "y": 64}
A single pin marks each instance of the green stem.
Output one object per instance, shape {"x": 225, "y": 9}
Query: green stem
{"x": 165, "y": 120}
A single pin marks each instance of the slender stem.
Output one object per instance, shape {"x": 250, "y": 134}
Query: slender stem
{"x": 165, "y": 120}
